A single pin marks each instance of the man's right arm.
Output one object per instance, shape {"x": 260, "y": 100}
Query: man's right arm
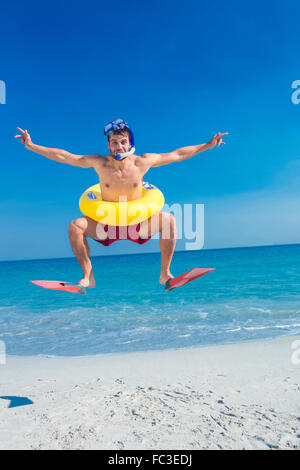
{"x": 58, "y": 155}
{"x": 62, "y": 156}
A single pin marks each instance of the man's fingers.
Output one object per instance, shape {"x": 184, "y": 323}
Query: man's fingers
{"x": 21, "y": 130}
{"x": 220, "y": 142}
{"x": 17, "y": 136}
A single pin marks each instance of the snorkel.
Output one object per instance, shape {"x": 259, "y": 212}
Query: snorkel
{"x": 115, "y": 125}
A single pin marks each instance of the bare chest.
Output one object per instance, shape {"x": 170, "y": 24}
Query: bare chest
{"x": 120, "y": 180}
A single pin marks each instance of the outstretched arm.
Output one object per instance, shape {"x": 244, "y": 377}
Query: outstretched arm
{"x": 159, "y": 159}
{"x": 58, "y": 155}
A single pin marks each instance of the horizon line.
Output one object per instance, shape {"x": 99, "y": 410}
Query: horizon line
{"x": 149, "y": 253}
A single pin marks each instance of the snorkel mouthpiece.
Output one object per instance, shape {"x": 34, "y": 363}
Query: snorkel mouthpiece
{"x": 115, "y": 125}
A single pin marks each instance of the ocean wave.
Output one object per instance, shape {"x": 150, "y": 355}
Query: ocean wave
{"x": 261, "y": 310}
{"x": 128, "y": 342}
{"x": 256, "y": 328}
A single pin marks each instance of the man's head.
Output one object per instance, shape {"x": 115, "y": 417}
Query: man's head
{"x": 120, "y": 139}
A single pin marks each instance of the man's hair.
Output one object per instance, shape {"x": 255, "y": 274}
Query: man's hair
{"x": 124, "y": 131}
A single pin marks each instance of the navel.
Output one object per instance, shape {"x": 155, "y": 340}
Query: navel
{"x": 106, "y": 185}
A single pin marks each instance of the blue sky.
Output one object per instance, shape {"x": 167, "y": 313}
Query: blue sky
{"x": 177, "y": 72}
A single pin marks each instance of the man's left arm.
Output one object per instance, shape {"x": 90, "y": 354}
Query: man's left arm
{"x": 178, "y": 155}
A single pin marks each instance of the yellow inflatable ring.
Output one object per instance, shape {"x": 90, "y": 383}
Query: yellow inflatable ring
{"x": 124, "y": 212}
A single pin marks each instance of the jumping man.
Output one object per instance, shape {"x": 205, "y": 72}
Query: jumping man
{"x": 120, "y": 174}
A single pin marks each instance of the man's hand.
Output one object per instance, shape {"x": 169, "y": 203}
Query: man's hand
{"x": 24, "y": 137}
{"x": 216, "y": 140}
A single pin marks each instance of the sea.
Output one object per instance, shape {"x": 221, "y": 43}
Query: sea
{"x": 253, "y": 294}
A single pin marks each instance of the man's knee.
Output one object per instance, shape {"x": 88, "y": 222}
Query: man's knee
{"x": 78, "y": 226}
{"x": 168, "y": 225}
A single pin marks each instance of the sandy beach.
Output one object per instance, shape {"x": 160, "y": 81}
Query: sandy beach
{"x": 237, "y": 396}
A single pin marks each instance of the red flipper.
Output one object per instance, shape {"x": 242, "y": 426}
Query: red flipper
{"x": 58, "y": 285}
{"x": 186, "y": 277}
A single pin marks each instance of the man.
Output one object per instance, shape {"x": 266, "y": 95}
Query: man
{"x": 121, "y": 174}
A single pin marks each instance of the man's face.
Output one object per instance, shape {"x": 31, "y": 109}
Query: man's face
{"x": 118, "y": 144}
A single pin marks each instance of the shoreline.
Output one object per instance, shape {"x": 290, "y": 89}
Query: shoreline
{"x": 189, "y": 348}
{"x": 242, "y": 395}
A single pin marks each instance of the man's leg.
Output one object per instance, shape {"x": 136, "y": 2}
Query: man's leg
{"x": 165, "y": 224}
{"x": 79, "y": 230}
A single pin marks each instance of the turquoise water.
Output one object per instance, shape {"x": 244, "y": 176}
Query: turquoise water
{"x": 253, "y": 294}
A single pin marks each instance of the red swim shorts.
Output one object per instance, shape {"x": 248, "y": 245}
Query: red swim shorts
{"x": 129, "y": 232}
